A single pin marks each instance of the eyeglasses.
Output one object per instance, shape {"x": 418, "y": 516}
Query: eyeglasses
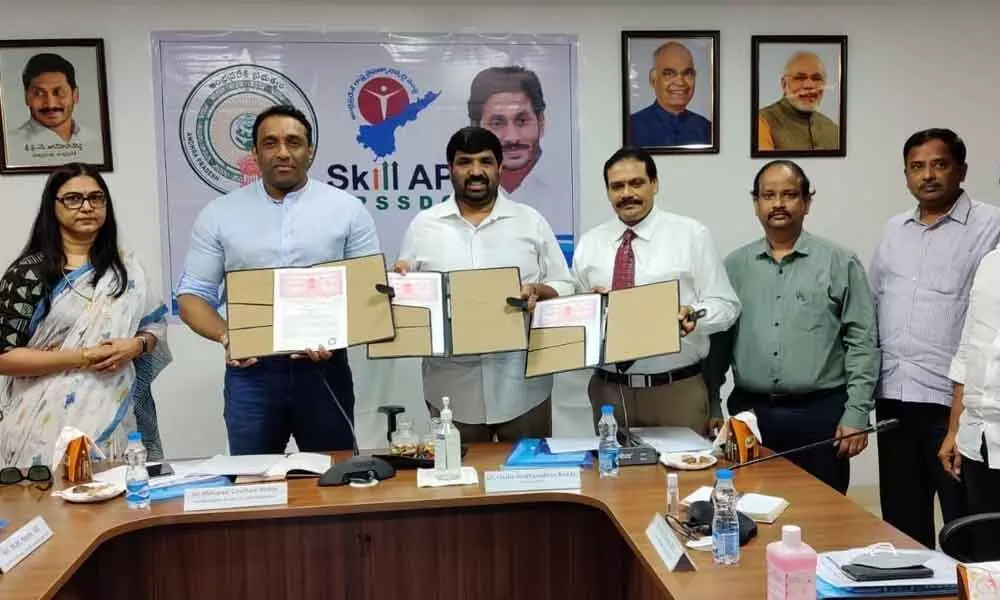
{"x": 74, "y": 200}
{"x": 35, "y": 474}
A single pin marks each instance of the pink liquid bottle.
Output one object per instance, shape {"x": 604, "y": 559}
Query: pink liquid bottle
{"x": 791, "y": 567}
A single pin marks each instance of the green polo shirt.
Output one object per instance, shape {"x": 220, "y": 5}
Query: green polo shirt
{"x": 808, "y": 324}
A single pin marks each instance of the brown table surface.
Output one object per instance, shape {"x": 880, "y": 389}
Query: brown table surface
{"x": 829, "y": 520}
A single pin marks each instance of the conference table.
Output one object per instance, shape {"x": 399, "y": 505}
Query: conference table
{"x": 397, "y": 541}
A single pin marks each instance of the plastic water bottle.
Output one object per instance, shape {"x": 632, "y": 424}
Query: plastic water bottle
{"x": 608, "y": 447}
{"x": 725, "y": 522}
{"x": 136, "y": 475}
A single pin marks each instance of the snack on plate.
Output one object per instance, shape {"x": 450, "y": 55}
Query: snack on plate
{"x": 89, "y": 490}
{"x": 695, "y": 459}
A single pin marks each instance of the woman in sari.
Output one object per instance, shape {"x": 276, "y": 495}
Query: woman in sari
{"x": 78, "y": 316}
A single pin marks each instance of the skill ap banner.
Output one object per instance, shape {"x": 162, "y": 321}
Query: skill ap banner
{"x": 383, "y": 107}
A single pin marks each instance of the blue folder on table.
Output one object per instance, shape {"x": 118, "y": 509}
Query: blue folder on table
{"x": 534, "y": 453}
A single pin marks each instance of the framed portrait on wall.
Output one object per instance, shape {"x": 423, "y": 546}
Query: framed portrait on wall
{"x": 670, "y": 91}
{"x": 53, "y": 105}
{"x": 798, "y": 96}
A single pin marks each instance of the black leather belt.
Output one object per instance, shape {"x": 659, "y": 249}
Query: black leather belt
{"x": 645, "y": 381}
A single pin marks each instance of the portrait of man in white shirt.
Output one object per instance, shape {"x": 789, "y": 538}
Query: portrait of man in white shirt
{"x": 509, "y": 102}
{"x": 52, "y": 133}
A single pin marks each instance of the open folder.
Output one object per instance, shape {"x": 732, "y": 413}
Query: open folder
{"x": 359, "y": 284}
{"x": 475, "y": 311}
{"x": 587, "y": 330}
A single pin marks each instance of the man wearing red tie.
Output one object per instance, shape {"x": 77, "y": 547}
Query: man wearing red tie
{"x": 645, "y": 245}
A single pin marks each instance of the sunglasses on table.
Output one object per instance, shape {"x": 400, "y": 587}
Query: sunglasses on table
{"x": 34, "y": 474}
{"x": 74, "y": 200}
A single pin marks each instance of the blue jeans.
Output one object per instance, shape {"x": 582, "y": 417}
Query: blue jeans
{"x": 278, "y": 397}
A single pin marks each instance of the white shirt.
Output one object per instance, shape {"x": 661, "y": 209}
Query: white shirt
{"x": 33, "y": 132}
{"x": 977, "y": 365}
{"x": 489, "y": 388}
{"x": 666, "y": 247}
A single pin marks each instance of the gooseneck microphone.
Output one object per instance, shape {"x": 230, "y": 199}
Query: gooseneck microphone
{"x": 879, "y": 426}
{"x": 364, "y": 470}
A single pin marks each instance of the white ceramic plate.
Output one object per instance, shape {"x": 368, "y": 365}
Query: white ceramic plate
{"x": 688, "y": 461}
{"x": 92, "y": 492}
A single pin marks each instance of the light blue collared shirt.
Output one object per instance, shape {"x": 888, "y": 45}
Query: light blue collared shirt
{"x": 247, "y": 229}
{"x": 921, "y": 276}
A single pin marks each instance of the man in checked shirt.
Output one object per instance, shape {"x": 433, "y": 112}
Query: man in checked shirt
{"x": 920, "y": 277}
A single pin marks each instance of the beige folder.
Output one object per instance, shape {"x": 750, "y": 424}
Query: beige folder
{"x": 413, "y": 334}
{"x": 555, "y": 350}
{"x": 482, "y": 321}
{"x": 250, "y": 306}
{"x": 642, "y": 321}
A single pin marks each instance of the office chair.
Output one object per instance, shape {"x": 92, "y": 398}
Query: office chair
{"x": 975, "y": 538}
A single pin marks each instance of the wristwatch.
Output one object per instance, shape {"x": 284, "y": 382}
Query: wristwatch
{"x": 145, "y": 344}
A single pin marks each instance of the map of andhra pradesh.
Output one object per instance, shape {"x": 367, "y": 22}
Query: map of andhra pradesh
{"x": 380, "y": 138}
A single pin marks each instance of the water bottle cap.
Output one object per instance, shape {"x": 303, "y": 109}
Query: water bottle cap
{"x": 607, "y": 409}
{"x": 724, "y": 474}
{"x": 134, "y": 436}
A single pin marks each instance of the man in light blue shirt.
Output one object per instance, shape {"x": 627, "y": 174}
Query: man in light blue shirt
{"x": 285, "y": 219}
{"x": 921, "y": 276}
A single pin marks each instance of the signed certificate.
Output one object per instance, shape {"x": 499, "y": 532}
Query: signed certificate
{"x": 310, "y": 309}
{"x": 580, "y": 310}
{"x": 423, "y": 290}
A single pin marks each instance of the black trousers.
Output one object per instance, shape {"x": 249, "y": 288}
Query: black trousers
{"x": 793, "y": 420}
{"x": 982, "y": 495}
{"x": 910, "y": 473}
{"x": 982, "y": 484}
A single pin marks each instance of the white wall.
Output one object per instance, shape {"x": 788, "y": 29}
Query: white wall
{"x": 911, "y": 65}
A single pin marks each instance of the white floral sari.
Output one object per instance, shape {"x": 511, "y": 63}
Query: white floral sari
{"x": 35, "y": 409}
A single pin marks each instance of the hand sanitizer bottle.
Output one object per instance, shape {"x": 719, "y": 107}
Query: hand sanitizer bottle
{"x": 448, "y": 446}
{"x": 791, "y": 567}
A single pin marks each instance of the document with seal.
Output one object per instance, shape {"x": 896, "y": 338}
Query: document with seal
{"x": 423, "y": 290}
{"x": 310, "y": 308}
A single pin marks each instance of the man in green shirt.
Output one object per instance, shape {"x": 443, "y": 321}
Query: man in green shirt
{"x": 803, "y": 352}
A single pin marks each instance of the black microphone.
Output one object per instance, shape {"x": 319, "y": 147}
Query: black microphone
{"x": 879, "y": 426}
{"x": 357, "y": 469}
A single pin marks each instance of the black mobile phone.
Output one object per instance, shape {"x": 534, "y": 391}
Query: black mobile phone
{"x": 862, "y": 573}
{"x": 159, "y": 470}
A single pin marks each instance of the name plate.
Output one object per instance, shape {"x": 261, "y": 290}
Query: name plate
{"x": 236, "y": 496}
{"x": 667, "y": 545}
{"x": 531, "y": 480}
{"x": 23, "y": 542}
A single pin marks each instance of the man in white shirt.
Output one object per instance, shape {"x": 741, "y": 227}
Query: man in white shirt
{"x": 645, "y": 245}
{"x": 971, "y": 448}
{"x": 480, "y": 228}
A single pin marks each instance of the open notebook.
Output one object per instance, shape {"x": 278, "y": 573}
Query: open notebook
{"x": 760, "y": 508}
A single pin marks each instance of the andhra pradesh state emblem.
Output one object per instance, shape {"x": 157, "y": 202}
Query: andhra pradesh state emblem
{"x": 216, "y": 123}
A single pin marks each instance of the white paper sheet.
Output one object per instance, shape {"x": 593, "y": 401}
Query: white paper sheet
{"x": 574, "y": 311}
{"x": 428, "y": 478}
{"x": 246, "y": 464}
{"x": 310, "y": 308}
{"x": 667, "y": 440}
{"x": 559, "y": 445}
{"x": 422, "y": 290}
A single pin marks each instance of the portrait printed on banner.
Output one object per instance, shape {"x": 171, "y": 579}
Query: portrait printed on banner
{"x": 798, "y": 96}
{"x": 53, "y": 105}
{"x": 509, "y": 101}
{"x": 670, "y": 91}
